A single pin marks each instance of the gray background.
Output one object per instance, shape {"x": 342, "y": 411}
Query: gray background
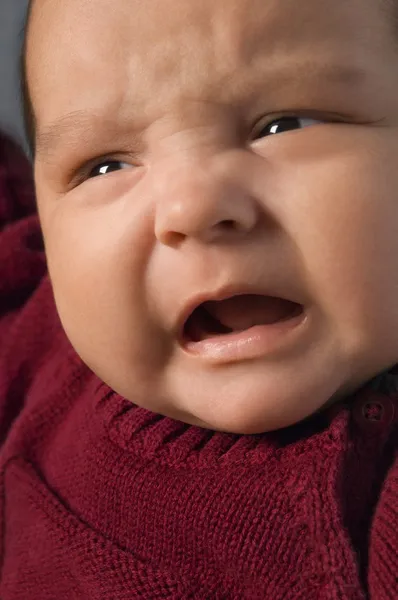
{"x": 12, "y": 15}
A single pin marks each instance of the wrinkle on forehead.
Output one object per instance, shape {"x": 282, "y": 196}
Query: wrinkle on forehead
{"x": 214, "y": 49}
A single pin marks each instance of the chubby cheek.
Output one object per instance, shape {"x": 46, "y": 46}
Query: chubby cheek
{"x": 346, "y": 224}
{"x": 97, "y": 261}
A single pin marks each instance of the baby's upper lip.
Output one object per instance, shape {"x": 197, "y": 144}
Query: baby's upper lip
{"x": 223, "y": 293}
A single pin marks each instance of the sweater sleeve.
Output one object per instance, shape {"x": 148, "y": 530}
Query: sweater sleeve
{"x": 22, "y": 267}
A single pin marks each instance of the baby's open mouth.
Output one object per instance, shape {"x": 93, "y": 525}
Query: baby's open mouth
{"x": 236, "y": 314}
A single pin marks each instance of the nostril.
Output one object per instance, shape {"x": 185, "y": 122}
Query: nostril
{"x": 228, "y": 224}
{"x": 172, "y": 238}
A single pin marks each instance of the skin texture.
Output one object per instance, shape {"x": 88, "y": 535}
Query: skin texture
{"x": 180, "y": 91}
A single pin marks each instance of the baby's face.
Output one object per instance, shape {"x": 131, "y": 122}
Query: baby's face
{"x": 168, "y": 175}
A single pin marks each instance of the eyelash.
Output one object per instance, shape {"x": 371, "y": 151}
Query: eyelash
{"x": 261, "y": 124}
{"x": 83, "y": 173}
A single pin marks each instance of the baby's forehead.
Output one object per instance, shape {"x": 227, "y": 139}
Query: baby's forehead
{"x": 144, "y": 57}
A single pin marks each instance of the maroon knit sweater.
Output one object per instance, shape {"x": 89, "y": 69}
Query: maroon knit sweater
{"x": 103, "y": 500}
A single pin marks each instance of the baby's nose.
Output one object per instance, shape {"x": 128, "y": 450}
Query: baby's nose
{"x": 197, "y": 201}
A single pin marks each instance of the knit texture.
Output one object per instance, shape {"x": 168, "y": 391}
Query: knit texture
{"x": 103, "y": 500}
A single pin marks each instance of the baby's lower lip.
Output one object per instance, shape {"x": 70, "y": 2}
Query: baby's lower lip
{"x": 258, "y": 341}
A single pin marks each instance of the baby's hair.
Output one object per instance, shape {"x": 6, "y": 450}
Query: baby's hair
{"x": 389, "y": 7}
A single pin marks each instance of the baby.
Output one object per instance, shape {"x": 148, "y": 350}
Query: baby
{"x": 200, "y": 394}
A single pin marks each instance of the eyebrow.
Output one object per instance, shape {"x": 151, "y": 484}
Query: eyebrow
{"x": 75, "y": 127}
{"x": 72, "y": 129}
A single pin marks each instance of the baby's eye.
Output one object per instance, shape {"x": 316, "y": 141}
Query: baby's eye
{"x": 107, "y": 167}
{"x": 284, "y": 124}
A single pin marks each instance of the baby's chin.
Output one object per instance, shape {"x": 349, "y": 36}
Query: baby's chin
{"x": 245, "y": 407}
{"x": 244, "y": 398}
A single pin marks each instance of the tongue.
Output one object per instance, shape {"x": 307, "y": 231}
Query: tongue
{"x": 242, "y": 312}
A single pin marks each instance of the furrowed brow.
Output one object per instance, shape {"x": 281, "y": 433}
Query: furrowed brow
{"x": 74, "y": 128}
